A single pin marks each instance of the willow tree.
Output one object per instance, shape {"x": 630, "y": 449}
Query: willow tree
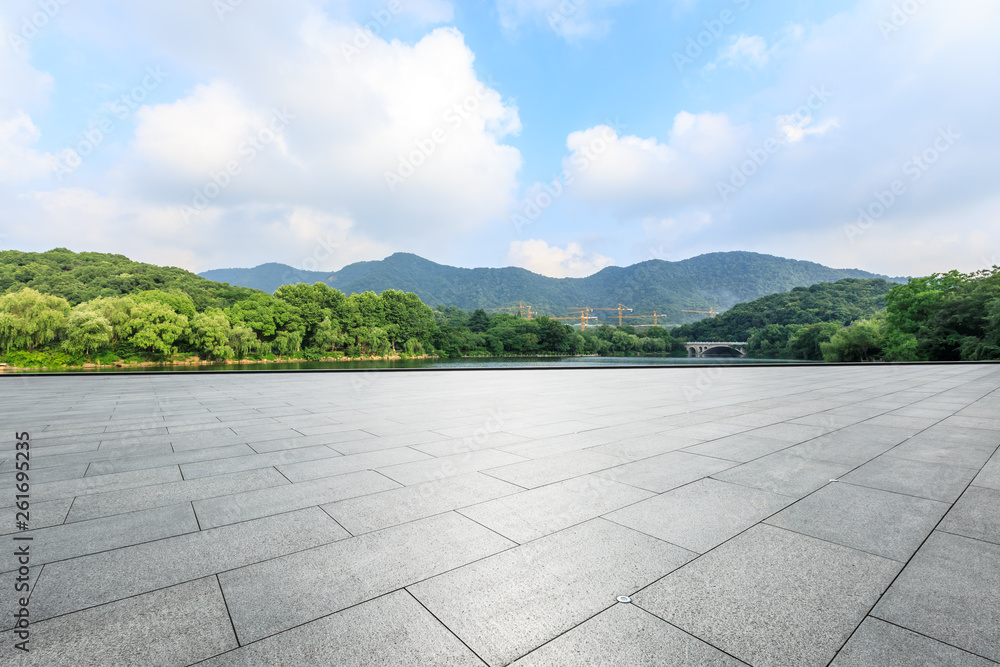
{"x": 29, "y": 319}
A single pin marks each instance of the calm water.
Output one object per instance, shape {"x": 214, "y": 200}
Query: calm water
{"x": 497, "y": 362}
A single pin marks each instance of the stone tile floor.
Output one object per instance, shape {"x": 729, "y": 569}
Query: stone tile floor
{"x": 754, "y": 515}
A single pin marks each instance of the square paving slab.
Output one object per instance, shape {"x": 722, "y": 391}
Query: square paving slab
{"x": 496, "y": 517}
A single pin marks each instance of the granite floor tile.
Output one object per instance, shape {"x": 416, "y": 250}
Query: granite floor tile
{"x": 509, "y": 604}
{"x": 41, "y": 514}
{"x": 533, "y": 514}
{"x": 83, "y": 486}
{"x": 877, "y": 644}
{"x": 284, "y": 592}
{"x": 783, "y": 473}
{"x": 878, "y": 522}
{"x": 646, "y": 446}
{"x": 284, "y": 457}
{"x": 975, "y": 515}
{"x": 740, "y": 448}
{"x": 390, "y": 630}
{"x": 772, "y": 597}
{"x": 341, "y": 465}
{"x": 538, "y": 472}
{"x": 853, "y": 445}
{"x": 701, "y": 515}
{"x": 428, "y": 469}
{"x": 390, "y": 508}
{"x": 949, "y": 591}
{"x": 160, "y": 495}
{"x": 72, "y": 540}
{"x": 174, "y": 626}
{"x": 666, "y": 472}
{"x": 935, "y": 481}
{"x": 222, "y": 510}
{"x": 989, "y": 476}
{"x": 71, "y": 585}
{"x": 626, "y": 635}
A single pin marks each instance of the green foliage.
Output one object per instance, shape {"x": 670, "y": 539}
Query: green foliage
{"x": 88, "y": 332}
{"x": 862, "y": 341}
{"x": 945, "y": 317}
{"x": 29, "y": 319}
{"x": 79, "y": 277}
{"x": 807, "y": 342}
{"x": 772, "y": 341}
{"x": 210, "y": 333}
{"x": 176, "y": 301}
{"x": 153, "y": 327}
{"x": 244, "y": 341}
{"x": 842, "y": 302}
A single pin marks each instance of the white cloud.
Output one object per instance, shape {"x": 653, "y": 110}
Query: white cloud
{"x": 570, "y": 19}
{"x": 641, "y": 177}
{"x": 18, "y": 161}
{"x": 749, "y": 51}
{"x": 569, "y": 262}
{"x": 360, "y": 108}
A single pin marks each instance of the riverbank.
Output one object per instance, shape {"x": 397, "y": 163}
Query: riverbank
{"x": 194, "y": 361}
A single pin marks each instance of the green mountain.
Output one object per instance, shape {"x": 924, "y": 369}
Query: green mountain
{"x": 83, "y": 276}
{"x": 715, "y": 280}
{"x": 842, "y": 302}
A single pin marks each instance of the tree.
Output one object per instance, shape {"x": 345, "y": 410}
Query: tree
{"x": 479, "y": 321}
{"x": 861, "y": 341}
{"x": 29, "y": 319}
{"x": 312, "y": 304}
{"x": 87, "y": 332}
{"x": 116, "y": 311}
{"x": 327, "y": 336}
{"x": 154, "y": 326}
{"x": 806, "y": 342}
{"x": 244, "y": 341}
{"x": 210, "y": 332}
{"x": 177, "y": 301}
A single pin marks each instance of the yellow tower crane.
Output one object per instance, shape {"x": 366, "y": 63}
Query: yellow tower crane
{"x": 582, "y": 314}
{"x": 521, "y": 307}
{"x": 711, "y": 312}
{"x": 621, "y": 309}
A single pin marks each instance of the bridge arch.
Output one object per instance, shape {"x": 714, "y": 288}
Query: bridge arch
{"x": 717, "y": 349}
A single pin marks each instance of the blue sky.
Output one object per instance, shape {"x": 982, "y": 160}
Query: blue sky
{"x": 558, "y": 135}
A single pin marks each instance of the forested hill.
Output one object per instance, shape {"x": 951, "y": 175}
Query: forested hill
{"x": 842, "y": 302}
{"x": 79, "y": 277}
{"x": 717, "y": 280}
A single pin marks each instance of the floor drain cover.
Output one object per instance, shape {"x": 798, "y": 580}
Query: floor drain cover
{"x": 624, "y": 598}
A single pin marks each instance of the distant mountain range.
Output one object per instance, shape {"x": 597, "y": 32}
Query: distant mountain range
{"x": 717, "y": 280}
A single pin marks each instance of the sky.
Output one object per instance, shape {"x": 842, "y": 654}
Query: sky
{"x": 561, "y": 136}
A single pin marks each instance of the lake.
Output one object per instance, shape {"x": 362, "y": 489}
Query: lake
{"x": 443, "y": 364}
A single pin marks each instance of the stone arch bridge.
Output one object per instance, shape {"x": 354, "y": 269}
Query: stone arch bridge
{"x": 716, "y": 349}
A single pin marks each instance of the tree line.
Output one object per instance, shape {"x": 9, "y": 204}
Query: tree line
{"x": 311, "y": 321}
{"x": 950, "y": 316}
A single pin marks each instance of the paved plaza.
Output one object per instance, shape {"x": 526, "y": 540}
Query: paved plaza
{"x": 748, "y": 515}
